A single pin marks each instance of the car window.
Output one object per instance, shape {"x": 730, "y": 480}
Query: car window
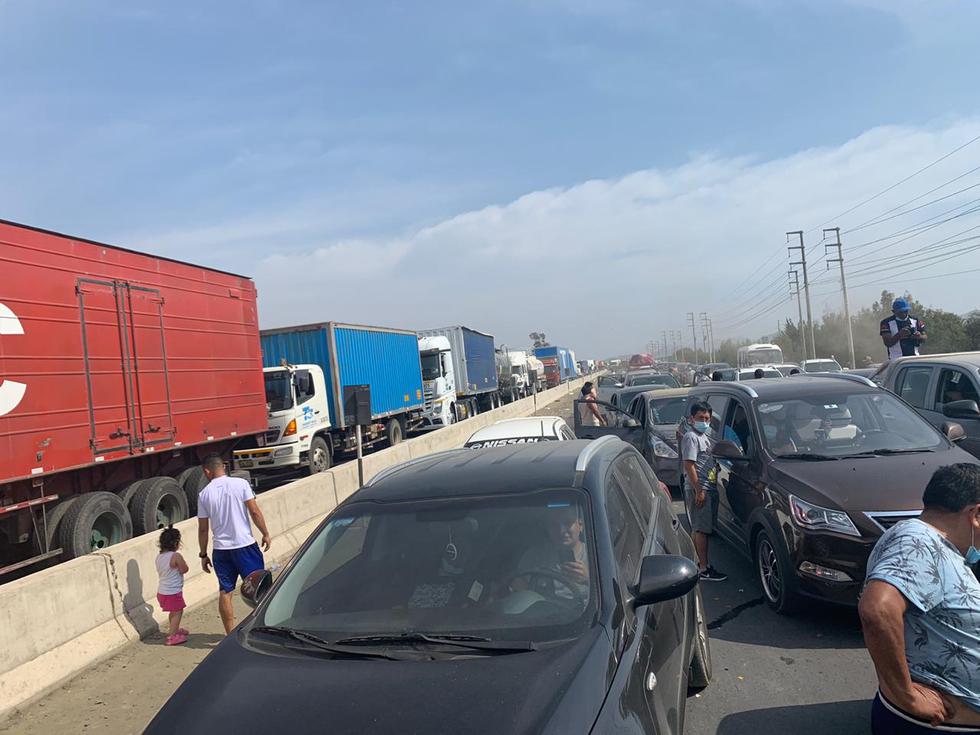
{"x": 490, "y": 566}
{"x": 719, "y": 407}
{"x": 638, "y": 409}
{"x": 624, "y": 530}
{"x": 667, "y": 410}
{"x": 912, "y": 384}
{"x": 637, "y": 486}
{"x": 739, "y": 430}
{"x": 304, "y": 386}
{"x": 954, "y": 385}
{"x": 839, "y": 424}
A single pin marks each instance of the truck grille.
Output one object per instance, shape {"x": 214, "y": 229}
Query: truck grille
{"x": 886, "y": 519}
{"x": 272, "y": 436}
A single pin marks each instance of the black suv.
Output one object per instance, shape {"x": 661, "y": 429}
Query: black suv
{"x": 812, "y": 470}
{"x": 532, "y": 588}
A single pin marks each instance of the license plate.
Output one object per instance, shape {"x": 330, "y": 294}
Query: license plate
{"x": 245, "y": 463}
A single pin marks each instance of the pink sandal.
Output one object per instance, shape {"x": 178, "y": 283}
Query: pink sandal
{"x": 175, "y": 640}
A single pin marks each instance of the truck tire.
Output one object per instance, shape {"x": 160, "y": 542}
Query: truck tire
{"x": 126, "y": 492}
{"x": 193, "y": 481}
{"x": 160, "y": 502}
{"x": 453, "y": 414}
{"x": 319, "y": 460}
{"x": 52, "y": 521}
{"x": 93, "y": 522}
{"x": 393, "y": 432}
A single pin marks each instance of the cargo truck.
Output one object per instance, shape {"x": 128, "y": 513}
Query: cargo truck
{"x": 306, "y": 371}
{"x": 559, "y": 366}
{"x": 119, "y": 372}
{"x": 513, "y": 375}
{"x": 460, "y": 372}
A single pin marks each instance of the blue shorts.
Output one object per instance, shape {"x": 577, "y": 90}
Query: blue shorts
{"x": 230, "y": 564}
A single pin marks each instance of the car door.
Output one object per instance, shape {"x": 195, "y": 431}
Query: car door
{"x": 663, "y": 626}
{"x": 631, "y": 540}
{"x": 617, "y": 423}
{"x": 912, "y": 385}
{"x": 738, "y": 495}
{"x": 954, "y": 384}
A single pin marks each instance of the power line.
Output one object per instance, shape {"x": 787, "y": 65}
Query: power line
{"x": 879, "y": 220}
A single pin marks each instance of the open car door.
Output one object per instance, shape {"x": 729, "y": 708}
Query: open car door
{"x": 611, "y": 420}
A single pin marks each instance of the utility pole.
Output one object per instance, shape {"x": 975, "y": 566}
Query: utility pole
{"x": 709, "y": 343}
{"x": 843, "y": 285}
{"x": 795, "y": 283}
{"x": 711, "y": 338}
{"x": 673, "y": 338}
{"x": 694, "y": 335}
{"x": 806, "y": 283}
{"x": 666, "y": 351}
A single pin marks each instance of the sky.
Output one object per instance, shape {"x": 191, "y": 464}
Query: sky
{"x": 590, "y": 169}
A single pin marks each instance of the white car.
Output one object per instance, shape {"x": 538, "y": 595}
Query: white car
{"x": 529, "y": 430}
{"x": 821, "y": 365}
{"x": 749, "y": 373}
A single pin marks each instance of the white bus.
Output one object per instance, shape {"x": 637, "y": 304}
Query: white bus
{"x": 759, "y": 354}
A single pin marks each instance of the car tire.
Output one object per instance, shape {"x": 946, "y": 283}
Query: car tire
{"x": 772, "y": 565}
{"x": 699, "y": 675}
{"x": 93, "y": 522}
{"x": 159, "y": 502}
{"x": 193, "y": 481}
{"x": 319, "y": 456}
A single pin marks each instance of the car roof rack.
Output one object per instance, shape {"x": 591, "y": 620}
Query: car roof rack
{"x": 585, "y": 456}
{"x": 847, "y": 376}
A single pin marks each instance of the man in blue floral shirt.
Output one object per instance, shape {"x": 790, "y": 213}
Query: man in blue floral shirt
{"x": 920, "y": 611}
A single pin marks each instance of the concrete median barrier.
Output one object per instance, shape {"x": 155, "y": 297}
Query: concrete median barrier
{"x": 58, "y": 621}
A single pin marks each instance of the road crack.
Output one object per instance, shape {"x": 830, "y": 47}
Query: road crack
{"x": 734, "y": 613}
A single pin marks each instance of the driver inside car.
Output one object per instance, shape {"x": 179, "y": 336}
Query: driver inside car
{"x": 559, "y": 565}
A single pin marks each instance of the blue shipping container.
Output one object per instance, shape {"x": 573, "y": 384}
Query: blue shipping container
{"x": 481, "y": 361}
{"x": 385, "y": 359}
{"x": 565, "y": 365}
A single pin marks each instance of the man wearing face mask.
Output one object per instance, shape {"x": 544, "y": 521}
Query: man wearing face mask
{"x": 700, "y": 489}
{"x": 920, "y": 611}
{"x": 902, "y": 333}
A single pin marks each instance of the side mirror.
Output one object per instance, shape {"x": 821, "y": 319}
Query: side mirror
{"x": 953, "y": 431}
{"x": 631, "y": 423}
{"x": 962, "y": 410}
{"x": 728, "y": 450}
{"x": 664, "y": 577}
{"x": 255, "y": 586}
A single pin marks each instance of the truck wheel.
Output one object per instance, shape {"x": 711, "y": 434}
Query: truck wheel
{"x": 93, "y": 522}
{"x": 160, "y": 502}
{"x": 453, "y": 414}
{"x": 126, "y": 492}
{"x": 393, "y": 432}
{"x": 52, "y": 521}
{"x": 193, "y": 480}
{"x": 319, "y": 456}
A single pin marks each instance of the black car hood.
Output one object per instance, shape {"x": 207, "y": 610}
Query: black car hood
{"x": 889, "y": 483}
{"x": 236, "y": 689}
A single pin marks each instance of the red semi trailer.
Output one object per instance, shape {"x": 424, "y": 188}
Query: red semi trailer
{"x": 119, "y": 371}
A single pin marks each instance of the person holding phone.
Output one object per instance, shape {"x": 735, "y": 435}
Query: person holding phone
{"x": 563, "y": 554}
{"x": 902, "y": 333}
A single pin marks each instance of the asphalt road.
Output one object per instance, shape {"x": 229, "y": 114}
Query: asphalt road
{"x": 804, "y": 675}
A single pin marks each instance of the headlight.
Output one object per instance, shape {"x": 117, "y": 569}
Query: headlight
{"x": 662, "y": 449}
{"x": 814, "y": 517}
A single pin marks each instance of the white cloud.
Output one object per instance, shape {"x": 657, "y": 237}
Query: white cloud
{"x": 606, "y": 265}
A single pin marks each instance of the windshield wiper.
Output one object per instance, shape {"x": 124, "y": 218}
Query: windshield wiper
{"x": 808, "y": 457}
{"x": 318, "y": 643}
{"x": 884, "y": 452}
{"x": 477, "y": 643}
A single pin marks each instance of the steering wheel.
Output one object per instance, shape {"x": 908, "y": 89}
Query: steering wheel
{"x": 547, "y": 575}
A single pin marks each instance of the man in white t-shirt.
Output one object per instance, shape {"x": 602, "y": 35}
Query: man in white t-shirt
{"x": 224, "y": 507}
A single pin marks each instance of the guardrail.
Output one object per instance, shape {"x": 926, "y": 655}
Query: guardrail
{"x": 59, "y": 621}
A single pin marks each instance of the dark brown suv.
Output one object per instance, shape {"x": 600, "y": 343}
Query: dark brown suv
{"x": 812, "y": 470}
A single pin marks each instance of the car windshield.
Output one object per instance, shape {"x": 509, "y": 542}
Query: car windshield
{"x": 495, "y": 567}
{"x": 822, "y": 366}
{"x": 654, "y": 380}
{"x": 749, "y": 373}
{"x": 278, "y": 390}
{"x": 787, "y": 370}
{"x": 840, "y": 424}
{"x": 667, "y": 410}
{"x": 431, "y": 369}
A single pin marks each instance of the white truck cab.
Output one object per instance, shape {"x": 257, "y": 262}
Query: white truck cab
{"x": 299, "y": 422}
{"x": 438, "y": 382}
